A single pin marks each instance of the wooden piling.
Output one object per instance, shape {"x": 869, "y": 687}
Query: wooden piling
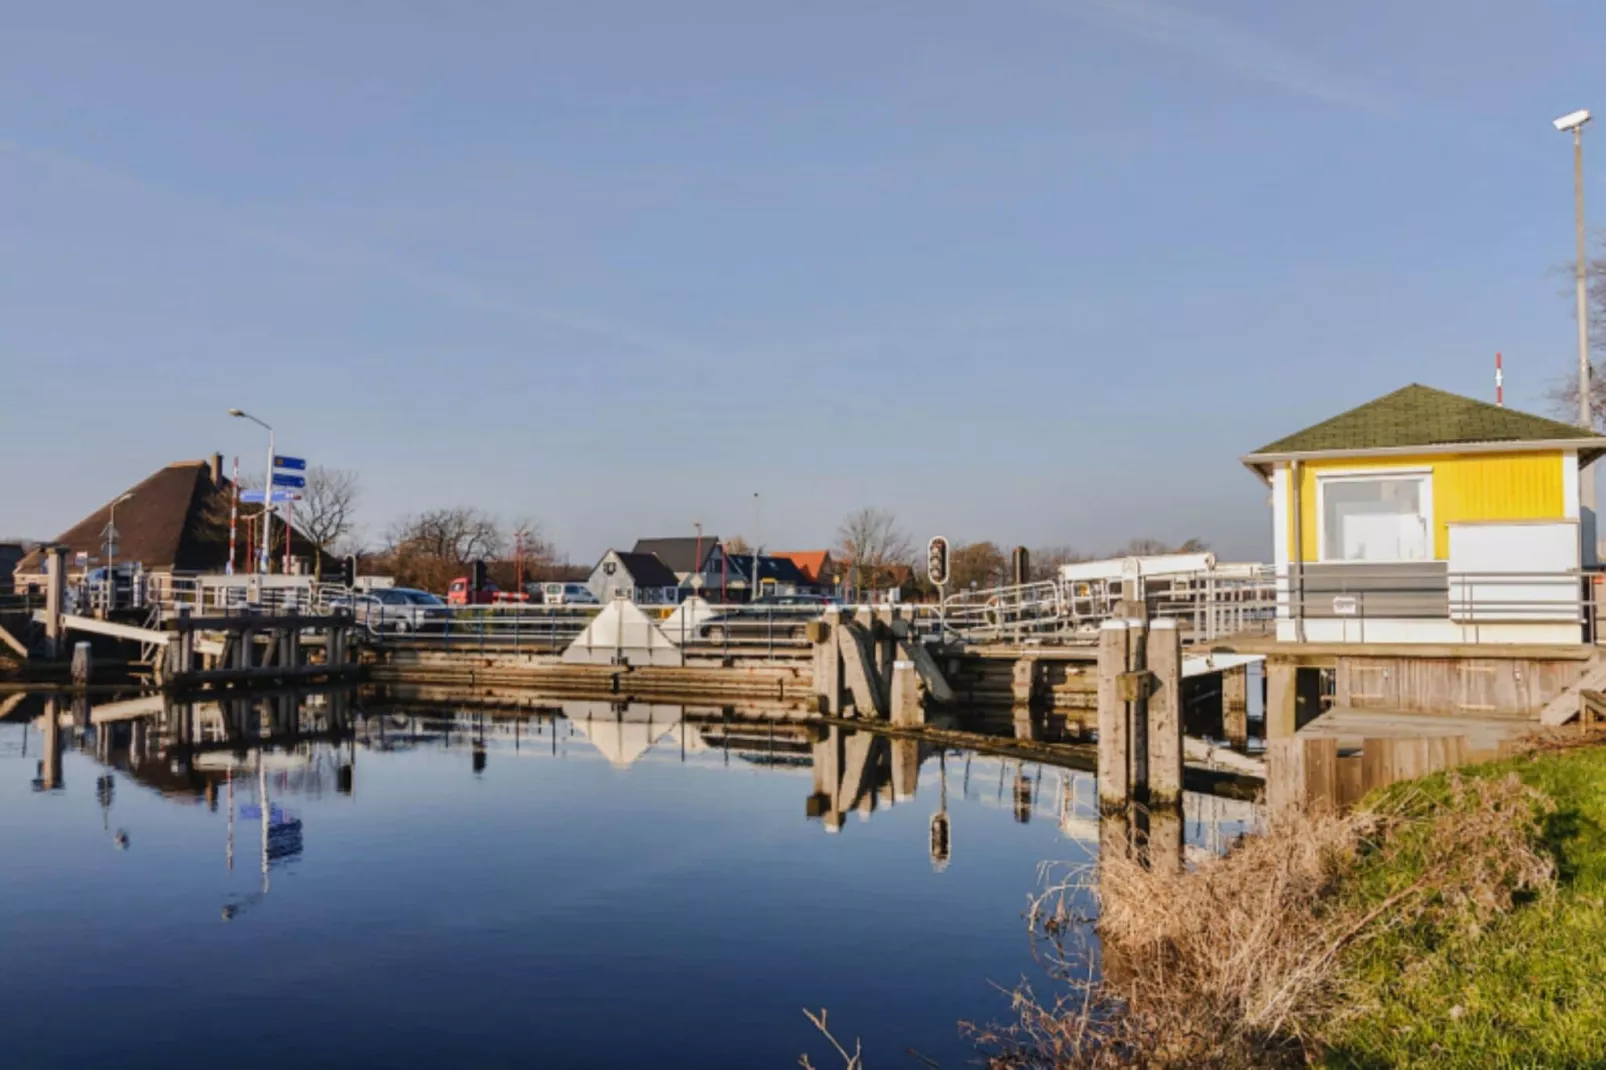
{"x": 1114, "y": 773}
{"x": 907, "y": 708}
{"x": 1235, "y": 705}
{"x": 55, "y": 599}
{"x": 83, "y": 664}
{"x": 1164, "y": 650}
{"x": 1281, "y": 679}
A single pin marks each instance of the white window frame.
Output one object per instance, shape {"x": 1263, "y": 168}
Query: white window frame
{"x": 1372, "y": 475}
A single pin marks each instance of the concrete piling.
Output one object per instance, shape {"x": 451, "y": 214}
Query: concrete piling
{"x": 83, "y": 664}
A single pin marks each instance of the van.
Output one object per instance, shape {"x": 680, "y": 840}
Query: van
{"x": 567, "y": 594}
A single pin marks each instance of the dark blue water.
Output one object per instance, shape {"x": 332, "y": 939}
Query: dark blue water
{"x": 580, "y": 894}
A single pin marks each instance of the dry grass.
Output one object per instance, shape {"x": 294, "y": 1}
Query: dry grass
{"x": 1236, "y": 963}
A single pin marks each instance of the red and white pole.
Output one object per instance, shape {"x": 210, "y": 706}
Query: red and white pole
{"x": 1499, "y": 382}
{"x": 234, "y": 516}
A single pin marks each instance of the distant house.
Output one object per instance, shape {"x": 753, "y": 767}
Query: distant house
{"x": 699, "y": 563}
{"x": 820, "y": 570}
{"x": 639, "y": 578}
{"x": 173, "y": 522}
{"x": 1424, "y": 516}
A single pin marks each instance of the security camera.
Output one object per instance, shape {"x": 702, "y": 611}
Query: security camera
{"x": 1573, "y": 120}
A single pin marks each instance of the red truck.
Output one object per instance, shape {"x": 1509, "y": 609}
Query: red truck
{"x": 462, "y": 592}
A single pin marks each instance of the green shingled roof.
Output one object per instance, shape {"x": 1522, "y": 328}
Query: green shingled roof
{"x": 1419, "y": 415}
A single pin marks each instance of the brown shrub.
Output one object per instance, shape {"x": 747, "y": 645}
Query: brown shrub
{"x": 1236, "y": 963}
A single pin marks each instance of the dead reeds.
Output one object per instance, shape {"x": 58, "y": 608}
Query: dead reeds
{"x": 1239, "y": 961}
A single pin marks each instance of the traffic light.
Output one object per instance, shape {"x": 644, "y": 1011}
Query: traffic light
{"x": 348, "y": 571}
{"x": 937, "y": 560}
{"x": 1022, "y": 561}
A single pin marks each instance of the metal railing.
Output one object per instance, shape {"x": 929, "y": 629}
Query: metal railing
{"x": 1212, "y": 606}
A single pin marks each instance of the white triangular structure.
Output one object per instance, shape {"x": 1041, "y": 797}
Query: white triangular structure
{"x": 681, "y": 626}
{"x": 622, "y": 635}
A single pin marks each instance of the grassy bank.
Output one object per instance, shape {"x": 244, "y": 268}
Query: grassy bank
{"x": 1524, "y": 987}
{"x": 1455, "y": 921}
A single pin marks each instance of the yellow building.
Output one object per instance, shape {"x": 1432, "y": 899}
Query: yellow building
{"x": 1424, "y": 516}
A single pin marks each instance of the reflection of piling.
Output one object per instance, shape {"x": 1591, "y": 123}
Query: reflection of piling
{"x": 50, "y": 764}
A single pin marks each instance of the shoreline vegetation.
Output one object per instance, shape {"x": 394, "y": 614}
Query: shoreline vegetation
{"x": 1458, "y": 920}
{"x": 1454, "y": 921}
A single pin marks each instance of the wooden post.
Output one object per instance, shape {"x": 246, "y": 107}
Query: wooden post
{"x": 1235, "y": 705}
{"x": 83, "y": 664}
{"x": 1165, "y": 715}
{"x": 1280, "y": 699}
{"x": 1114, "y": 772}
{"x": 827, "y": 662}
{"x": 244, "y": 648}
{"x": 55, "y": 599}
{"x": 907, "y": 708}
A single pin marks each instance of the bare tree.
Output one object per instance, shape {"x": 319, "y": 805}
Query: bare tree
{"x": 1563, "y": 391}
{"x": 327, "y": 510}
{"x": 979, "y": 563}
{"x": 873, "y": 546}
{"x": 1046, "y": 561}
{"x": 738, "y": 546}
{"x": 431, "y": 549}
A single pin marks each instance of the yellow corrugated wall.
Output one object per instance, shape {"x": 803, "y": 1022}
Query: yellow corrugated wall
{"x": 1472, "y": 486}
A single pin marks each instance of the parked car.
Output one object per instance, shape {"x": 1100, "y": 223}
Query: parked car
{"x": 795, "y": 600}
{"x": 567, "y": 594}
{"x": 397, "y": 609}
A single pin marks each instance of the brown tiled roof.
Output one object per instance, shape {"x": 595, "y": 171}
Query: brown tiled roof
{"x": 176, "y": 520}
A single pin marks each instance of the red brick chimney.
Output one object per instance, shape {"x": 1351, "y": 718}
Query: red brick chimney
{"x": 217, "y": 469}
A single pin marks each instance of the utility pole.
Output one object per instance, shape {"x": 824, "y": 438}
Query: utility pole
{"x": 1574, "y": 122}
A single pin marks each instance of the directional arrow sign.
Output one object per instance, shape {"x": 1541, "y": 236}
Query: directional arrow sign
{"x": 295, "y": 464}
{"x": 254, "y": 497}
{"x": 280, "y": 479}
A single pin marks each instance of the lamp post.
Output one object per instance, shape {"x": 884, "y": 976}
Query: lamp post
{"x": 758, "y": 525}
{"x": 267, "y": 491}
{"x": 1574, "y": 121}
{"x": 111, "y": 551}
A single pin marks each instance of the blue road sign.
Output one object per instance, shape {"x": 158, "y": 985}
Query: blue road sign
{"x": 280, "y": 479}
{"x": 254, "y": 497}
{"x": 295, "y": 464}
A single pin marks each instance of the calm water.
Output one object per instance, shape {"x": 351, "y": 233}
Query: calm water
{"x": 612, "y": 887}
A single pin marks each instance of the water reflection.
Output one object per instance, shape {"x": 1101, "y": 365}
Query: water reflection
{"x": 605, "y": 861}
{"x": 255, "y": 748}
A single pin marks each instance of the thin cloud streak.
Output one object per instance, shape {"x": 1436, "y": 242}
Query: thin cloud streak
{"x": 1231, "y": 49}
{"x": 442, "y": 286}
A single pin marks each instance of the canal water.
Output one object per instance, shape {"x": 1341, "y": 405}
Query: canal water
{"x": 593, "y": 886}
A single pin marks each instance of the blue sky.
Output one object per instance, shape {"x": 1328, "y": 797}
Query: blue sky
{"x": 1030, "y": 270}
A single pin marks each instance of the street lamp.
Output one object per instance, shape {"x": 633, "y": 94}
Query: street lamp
{"x": 267, "y": 491}
{"x": 111, "y": 551}
{"x": 1575, "y": 121}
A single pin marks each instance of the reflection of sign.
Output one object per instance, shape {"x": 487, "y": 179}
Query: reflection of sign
{"x": 1345, "y": 605}
{"x": 80, "y": 558}
{"x": 295, "y": 464}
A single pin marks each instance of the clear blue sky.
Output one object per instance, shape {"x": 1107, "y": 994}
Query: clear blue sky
{"x": 1030, "y": 270}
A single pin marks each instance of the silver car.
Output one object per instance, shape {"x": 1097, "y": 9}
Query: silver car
{"x": 400, "y": 609}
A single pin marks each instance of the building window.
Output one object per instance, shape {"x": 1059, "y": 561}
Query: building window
{"x": 1376, "y": 517}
